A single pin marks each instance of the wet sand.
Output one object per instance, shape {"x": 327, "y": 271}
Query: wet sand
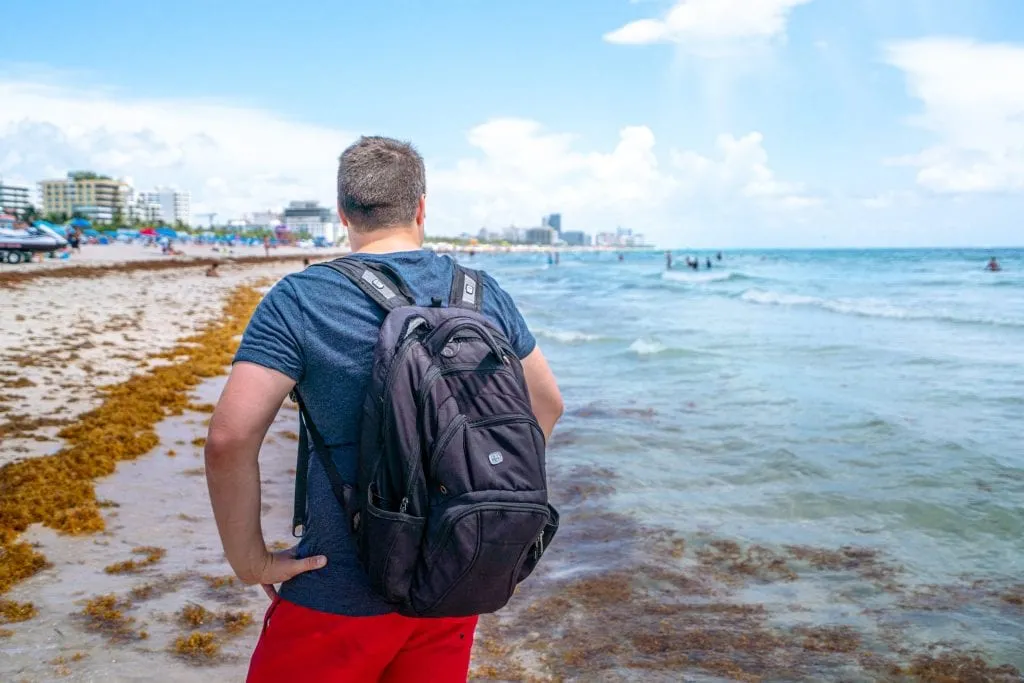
{"x": 158, "y": 501}
{"x": 612, "y": 601}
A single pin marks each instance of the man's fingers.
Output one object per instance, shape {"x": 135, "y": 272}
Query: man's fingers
{"x": 287, "y": 568}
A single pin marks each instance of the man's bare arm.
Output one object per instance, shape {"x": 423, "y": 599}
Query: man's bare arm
{"x": 246, "y": 409}
{"x": 544, "y": 393}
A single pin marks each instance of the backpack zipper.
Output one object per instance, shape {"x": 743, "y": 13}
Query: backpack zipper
{"x": 452, "y": 429}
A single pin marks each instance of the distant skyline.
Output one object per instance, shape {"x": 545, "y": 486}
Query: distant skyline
{"x": 703, "y": 123}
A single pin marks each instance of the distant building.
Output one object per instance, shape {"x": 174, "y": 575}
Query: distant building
{"x": 576, "y": 238}
{"x": 13, "y": 199}
{"x": 174, "y": 205}
{"x": 263, "y": 219}
{"x": 513, "y": 234}
{"x": 318, "y": 221}
{"x": 540, "y": 236}
{"x": 554, "y": 221}
{"x": 143, "y": 211}
{"x": 98, "y": 198}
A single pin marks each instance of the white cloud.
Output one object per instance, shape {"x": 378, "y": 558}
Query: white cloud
{"x": 973, "y": 97}
{"x": 233, "y": 159}
{"x": 709, "y": 27}
{"x": 236, "y": 160}
{"x": 523, "y": 171}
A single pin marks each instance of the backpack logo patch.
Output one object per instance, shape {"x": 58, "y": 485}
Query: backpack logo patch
{"x": 495, "y": 458}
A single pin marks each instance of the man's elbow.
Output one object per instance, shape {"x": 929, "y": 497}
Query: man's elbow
{"x": 558, "y": 407}
{"x": 221, "y": 446}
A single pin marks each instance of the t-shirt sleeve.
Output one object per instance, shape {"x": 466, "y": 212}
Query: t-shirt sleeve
{"x": 500, "y": 305}
{"x": 274, "y": 335}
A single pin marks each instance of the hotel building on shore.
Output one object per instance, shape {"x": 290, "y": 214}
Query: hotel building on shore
{"x": 318, "y": 221}
{"x": 173, "y": 205}
{"x": 13, "y": 199}
{"x": 99, "y": 198}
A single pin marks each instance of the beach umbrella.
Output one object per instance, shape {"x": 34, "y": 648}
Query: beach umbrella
{"x": 80, "y": 223}
{"x": 89, "y": 232}
{"x": 148, "y": 231}
{"x": 166, "y": 232}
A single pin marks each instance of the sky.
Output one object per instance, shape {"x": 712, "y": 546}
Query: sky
{"x": 699, "y": 123}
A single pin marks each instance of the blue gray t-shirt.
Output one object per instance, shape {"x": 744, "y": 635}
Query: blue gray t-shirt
{"x": 320, "y": 329}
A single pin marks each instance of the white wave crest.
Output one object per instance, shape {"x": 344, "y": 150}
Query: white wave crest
{"x": 868, "y": 308}
{"x": 647, "y": 347}
{"x": 567, "y": 336}
{"x": 695, "y": 278}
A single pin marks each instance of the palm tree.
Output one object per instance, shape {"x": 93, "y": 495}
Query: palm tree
{"x": 29, "y": 214}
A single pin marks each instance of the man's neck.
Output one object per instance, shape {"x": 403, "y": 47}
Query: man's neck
{"x": 385, "y": 241}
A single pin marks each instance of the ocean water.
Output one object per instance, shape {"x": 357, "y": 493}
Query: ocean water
{"x": 822, "y": 398}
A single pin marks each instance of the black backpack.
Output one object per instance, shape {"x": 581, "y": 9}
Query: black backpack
{"x": 450, "y": 508}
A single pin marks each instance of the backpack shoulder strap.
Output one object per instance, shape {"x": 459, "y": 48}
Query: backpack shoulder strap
{"x": 467, "y": 288}
{"x": 378, "y": 281}
{"x": 342, "y": 491}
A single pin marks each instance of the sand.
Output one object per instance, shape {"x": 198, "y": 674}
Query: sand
{"x": 62, "y": 338}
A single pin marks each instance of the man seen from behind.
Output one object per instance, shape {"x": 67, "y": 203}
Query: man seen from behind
{"x": 315, "y": 330}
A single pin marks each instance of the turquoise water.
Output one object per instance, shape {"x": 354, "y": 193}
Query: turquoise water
{"x": 825, "y": 398}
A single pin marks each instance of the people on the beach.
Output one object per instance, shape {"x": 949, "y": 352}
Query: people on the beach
{"x": 266, "y": 245}
{"x": 315, "y": 332}
{"x": 993, "y": 265}
{"x": 305, "y": 263}
{"x": 212, "y": 271}
{"x": 74, "y": 240}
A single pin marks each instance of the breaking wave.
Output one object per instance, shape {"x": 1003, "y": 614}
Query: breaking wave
{"x": 868, "y": 308}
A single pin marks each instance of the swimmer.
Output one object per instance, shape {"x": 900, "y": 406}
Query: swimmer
{"x": 993, "y": 265}
{"x": 668, "y": 260}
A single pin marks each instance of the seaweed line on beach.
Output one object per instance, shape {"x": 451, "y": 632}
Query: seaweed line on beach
{"x": 57, "y": 490}
{"x": 15, "y": 278}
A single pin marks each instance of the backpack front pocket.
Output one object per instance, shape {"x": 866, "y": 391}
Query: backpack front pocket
{"x": 475, "y": 557}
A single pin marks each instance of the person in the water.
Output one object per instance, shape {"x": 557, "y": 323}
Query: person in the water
{"x": 993, "y": 265}
{"x": 708, "y": 264}
{"x": 668, "y": 260}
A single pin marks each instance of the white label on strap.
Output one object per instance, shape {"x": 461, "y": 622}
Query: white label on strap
{"x": 378, "y": 284}
{"x": 469, "y": 291}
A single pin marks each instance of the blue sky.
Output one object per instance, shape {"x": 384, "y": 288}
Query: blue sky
{"x": 699, "y": 122}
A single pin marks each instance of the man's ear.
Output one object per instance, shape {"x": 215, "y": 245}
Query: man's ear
{"x": 421, "y": 211}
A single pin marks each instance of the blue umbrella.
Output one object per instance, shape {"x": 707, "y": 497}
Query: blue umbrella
{"x": 166, "y": 232}
{"x": 80, "y": 223}
{"x": 89, "y": 232}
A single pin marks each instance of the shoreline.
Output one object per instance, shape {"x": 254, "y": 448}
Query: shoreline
{"x": 693, "y": 604}
{"x": 137, "y": 258}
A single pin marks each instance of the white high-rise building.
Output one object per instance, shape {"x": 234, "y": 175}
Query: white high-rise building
{"x": 175, "y": 205}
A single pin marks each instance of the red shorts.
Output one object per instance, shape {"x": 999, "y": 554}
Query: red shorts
{"x": 301, "y": 644}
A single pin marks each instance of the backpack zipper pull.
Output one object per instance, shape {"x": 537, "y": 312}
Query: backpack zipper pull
{"x": 404, "y": 506}
{"x": 539, "y": 545}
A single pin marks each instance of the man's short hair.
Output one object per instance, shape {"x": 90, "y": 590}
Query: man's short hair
{"x": 380, "y": 182}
